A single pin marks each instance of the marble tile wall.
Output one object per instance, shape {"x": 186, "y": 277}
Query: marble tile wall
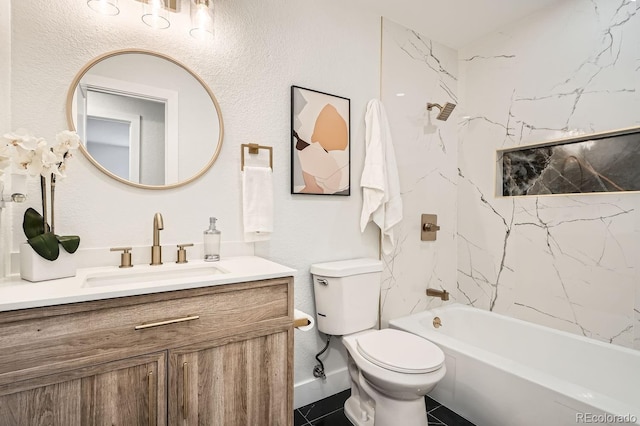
{"x": 416, "y": 70}
{"x": 569, "y": 262}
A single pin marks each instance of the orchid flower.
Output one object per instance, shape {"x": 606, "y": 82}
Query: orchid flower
{"x": 65, "y": 142}
{"x": 22, "y": 139}
{"x": 35, "y": 156}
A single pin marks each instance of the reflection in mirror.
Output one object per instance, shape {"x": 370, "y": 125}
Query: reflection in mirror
{"x": 145, "y": 119}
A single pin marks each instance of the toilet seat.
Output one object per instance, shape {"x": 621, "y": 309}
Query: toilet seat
{"x": 400, "y": 351}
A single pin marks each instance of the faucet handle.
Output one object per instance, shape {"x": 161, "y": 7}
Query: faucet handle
{"x": 125, "y": 257}
{"x": 182, "y": 253}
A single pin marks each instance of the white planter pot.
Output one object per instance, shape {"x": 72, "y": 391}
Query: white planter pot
{"x": 35, "y": 268}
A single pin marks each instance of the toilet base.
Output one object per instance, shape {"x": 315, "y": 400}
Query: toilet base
{"x": 354, "y": 413}
{"x": 406, "y": 413}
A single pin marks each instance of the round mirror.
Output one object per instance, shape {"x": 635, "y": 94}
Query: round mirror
{"x": 145, "y": 119}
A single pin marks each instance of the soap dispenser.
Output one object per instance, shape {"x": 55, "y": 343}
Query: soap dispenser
{"x": 212, "y": 242}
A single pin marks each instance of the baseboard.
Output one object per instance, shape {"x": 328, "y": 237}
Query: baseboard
{"x": 316, "y": 389}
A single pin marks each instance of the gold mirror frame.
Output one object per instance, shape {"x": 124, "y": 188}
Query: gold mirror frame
{"x": 71, "y": 124}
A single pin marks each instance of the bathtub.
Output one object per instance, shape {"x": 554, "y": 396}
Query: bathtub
{"x": 504, "y": 371}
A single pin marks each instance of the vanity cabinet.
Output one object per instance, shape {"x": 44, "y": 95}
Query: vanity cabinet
{"x": 127, "y": 392}
{"x": 219, "y": 355}
{"x": 238, "y": 382}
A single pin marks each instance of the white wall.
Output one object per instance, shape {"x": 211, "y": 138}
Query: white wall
{"x": 260, "y": 50}
{"x": 569, "y": 262}
{"x": 426, "y": 152}
{"x": 5, "y": 120}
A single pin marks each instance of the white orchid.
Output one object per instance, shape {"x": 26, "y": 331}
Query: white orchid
{"x": 39, "y": 160}
{"x": 66, "y": 141}
{"x": 23, "y": 139}
{"x": 36, "y": 157}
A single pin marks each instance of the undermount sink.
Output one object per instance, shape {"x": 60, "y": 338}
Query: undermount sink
{"x": 151, "y": 274}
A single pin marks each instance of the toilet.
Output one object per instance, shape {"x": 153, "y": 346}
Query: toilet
{"x": 390, "y": 370}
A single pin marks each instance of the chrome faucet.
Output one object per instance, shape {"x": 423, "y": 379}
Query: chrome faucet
{"x": 156, "y": 249}
{"x": 442, "y": 294}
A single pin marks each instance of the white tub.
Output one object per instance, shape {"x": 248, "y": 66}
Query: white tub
{"x": 504, "y": 371}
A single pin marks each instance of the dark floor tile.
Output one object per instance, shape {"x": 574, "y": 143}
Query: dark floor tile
{"x": 337, "y": 418}
{"x": 298, "y": 419}
{"x": 325, "y": 406}
{"x": 431, "y": 403}
{"x": 448, "y": 417}
{"x": 433, "y": 421}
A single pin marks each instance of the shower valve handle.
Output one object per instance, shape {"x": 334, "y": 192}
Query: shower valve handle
{"x": 430, "y": 227}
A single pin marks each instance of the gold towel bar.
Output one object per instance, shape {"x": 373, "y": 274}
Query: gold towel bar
{"x": 300, "y": 322}
{"x": 254, "y": 148}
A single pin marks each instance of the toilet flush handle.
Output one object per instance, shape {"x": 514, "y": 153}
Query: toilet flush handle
{"x": 323, "y": 281}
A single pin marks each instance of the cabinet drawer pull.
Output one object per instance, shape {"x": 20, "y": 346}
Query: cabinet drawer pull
{"x": 150, "y": 380}
{"x": 185, "y": 390}
{"x": 171, "y": 321}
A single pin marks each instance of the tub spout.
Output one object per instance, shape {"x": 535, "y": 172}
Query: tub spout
{"x": 442, "y": 294}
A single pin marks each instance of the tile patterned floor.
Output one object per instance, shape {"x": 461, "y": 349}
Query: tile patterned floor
{"x": 330, "y": 412}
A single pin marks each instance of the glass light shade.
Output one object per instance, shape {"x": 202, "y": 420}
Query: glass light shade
{"x": 201, "y": 19}
{"x": 155, "y": 14}
{"x": 105, "y": 7}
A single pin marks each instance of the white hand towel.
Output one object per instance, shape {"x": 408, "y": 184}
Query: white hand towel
{"x": 257, "y": 203}
{"x": 382, "y": 203}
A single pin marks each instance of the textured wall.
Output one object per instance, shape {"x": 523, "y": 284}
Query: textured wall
{"x": 5, "y": 120}
{"x": 569, "y": 262}
{"x": 260, "y": 50}
{"x": 421, "y": 71}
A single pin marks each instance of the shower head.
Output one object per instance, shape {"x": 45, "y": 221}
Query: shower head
{"x": 445, "y": 111}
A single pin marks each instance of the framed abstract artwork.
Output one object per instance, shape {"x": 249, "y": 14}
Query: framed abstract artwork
{"x": 320, "y": 143}
{"x": 599, "y": 162}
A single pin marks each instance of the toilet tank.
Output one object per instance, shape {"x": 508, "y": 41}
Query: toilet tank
{"x": 347, "y": 293}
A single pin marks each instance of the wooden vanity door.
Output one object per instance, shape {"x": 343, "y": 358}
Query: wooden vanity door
{"x": 126, "y": 392}
{"x": 237, "y": 381}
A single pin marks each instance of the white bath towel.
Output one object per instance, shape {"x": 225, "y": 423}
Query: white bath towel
{"x": 257, "y": 203}
{"x": 380, "y": 183}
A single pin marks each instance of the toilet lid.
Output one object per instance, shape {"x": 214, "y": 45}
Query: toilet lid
{"x": 400, "y": 351}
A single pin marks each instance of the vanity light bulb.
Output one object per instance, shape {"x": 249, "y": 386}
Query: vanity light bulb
{"x": 155, "y": 14}
{"x": 105, "y": 7}
{"x": 201, "y": 19}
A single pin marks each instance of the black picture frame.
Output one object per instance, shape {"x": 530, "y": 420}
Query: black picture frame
{"x": 320, "y": 143}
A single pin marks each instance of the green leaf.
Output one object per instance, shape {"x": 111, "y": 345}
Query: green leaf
{"x": 32, "y": 223}
{"x": 46, "y": 245}
{"x": 69, "y": 242}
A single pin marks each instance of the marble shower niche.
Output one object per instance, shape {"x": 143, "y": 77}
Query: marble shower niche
{"x": 604, "y": 162}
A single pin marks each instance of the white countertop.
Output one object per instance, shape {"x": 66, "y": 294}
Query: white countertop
{"x": 16, "y": 293}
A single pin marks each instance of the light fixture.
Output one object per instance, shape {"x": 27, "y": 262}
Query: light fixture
{"x": 155, "y": 14}
{"x": 201, "y": 19}
{"x": 106, "y": 7}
